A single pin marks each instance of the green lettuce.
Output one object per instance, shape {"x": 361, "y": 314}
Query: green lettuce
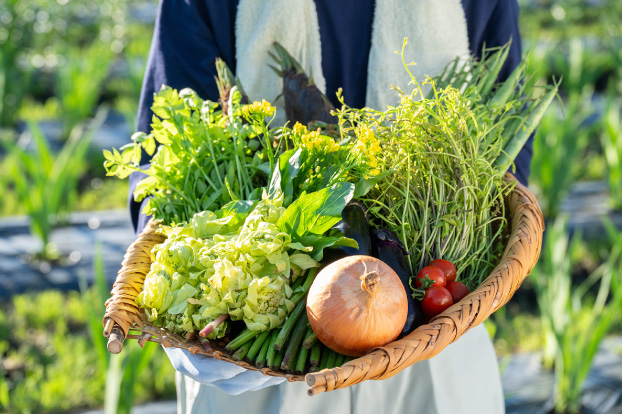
{"x": 240, "y": 260}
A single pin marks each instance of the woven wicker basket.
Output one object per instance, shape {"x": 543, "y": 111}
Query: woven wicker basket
{"x": 124, "y": 319}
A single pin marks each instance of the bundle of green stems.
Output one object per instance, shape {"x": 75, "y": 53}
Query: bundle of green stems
{"x": 448, "y": 145}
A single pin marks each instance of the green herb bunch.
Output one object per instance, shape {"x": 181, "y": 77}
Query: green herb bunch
{"x": 447, "y": 146}
{"x": 202, "y": 157}
{"x": 443, "y": 195}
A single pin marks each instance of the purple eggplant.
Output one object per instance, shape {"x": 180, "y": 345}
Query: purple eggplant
{"x": 388, "y": 248}
{"x": 355, "y": 225}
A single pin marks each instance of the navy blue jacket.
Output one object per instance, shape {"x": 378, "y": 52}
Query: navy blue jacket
{"x": 190, "y": 34}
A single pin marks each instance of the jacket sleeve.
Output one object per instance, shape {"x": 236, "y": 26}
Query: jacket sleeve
{"x": 492, "y": 24}
{"x": 188, "y": 37}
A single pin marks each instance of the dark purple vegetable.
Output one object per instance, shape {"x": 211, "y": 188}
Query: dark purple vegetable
{"x": 304, "y": 102}
{"x": 355, "y": 225}
{"x": 388, "y": 248}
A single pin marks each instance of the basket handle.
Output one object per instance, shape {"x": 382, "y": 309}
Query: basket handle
{"x": 121, "y": 311}
{"x": 115, "y": 336}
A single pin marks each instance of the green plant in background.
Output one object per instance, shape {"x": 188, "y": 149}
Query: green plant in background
{"x": 611, "y": 140}
{"x": 16, "y": 31}
{"x": 135, "y": 62}
{"x": 122, "y": 370}
{"x": 47, "y": 361}
{"x": 580, "y": 66}
{"x": 573, "y": 320}
{"x": 615, "y": 236}
{"x": 557, "y": 150}
{"x": 513, "y": 330}
{"x": 52, "y": 349}
{"x": 563, "y": 18}
{"x": 79, "y": 82}
{"x": 46, "y": 183}
{"x": 551, "y": 279}
{"x": 537, "y": 61}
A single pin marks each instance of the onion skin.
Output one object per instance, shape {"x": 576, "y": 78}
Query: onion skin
{"x": 356, "y": 304}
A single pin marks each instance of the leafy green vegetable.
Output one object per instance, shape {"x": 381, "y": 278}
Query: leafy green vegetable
{"x": 317, "y": 212}
{"x": 240, "y": 260}
{"x": 201, "y": 157}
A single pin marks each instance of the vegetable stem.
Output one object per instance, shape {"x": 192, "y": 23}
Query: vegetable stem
{"x": 301, "y": 361}
{"x": 296, "y": 339}
{"x": 257, "y": 345}
{"x": 298, "y": 296}
{"x": 213, "y": 325}
{"x": 332, "y": 356}
{"x": 316, "y": 353}
{"x": 289, "y": 324}
{"x": 242, "y": 351}
{"x": 309, "y": 340}
{"x": 260, "y": 362}
{"x": 241, "y": 339}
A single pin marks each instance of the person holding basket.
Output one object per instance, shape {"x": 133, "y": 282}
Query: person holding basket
{"x": 350, "y": 45}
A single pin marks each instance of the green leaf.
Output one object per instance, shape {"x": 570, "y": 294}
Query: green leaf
{"x": 275, "y": 181}
{"x": 317, "y": 212}
{"x": 319, "y": 243}
{"x": 366, "y": 184}
{"x": 149, "y": 145}
{"x": 127, "y": 155}
{"x": 289, "y": 163}
{"x": 232, "y": 195}
{"x": 145, "y": 187}
{"x": 108, "y": 155}
{"x": 265, "y": 168}
{"x": 238, "y": 209}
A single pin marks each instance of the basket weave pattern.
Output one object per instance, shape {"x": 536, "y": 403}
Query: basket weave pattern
{"x": 520, "y": 255}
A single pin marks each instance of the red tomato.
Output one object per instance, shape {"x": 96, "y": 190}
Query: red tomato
{"x": 435, "y": 276}
{"x": 458, "y": 290}
{"x": 436, "y": 300}
{"x": 447, "y": 267}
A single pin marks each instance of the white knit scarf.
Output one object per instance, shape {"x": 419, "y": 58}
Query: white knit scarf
{"x": 436, "y": 32}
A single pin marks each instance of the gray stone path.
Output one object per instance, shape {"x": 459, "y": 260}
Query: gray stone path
{"x": 106, "y": 231}
{"x": 528, "y": 388}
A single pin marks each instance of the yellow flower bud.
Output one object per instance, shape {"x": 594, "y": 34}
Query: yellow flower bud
{"x": 375, "y": 148}
{"x": 299, "y": 128}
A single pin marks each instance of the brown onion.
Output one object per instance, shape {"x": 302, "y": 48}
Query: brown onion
{"x": 355, "y": 304}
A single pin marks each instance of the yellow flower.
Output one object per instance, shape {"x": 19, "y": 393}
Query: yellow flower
{"x": 372, "y": 162}
{"x": 312, "y": 140}
{"x": 364, "y": 134}
{"x": 299, "y": 128}
{"x": 263, "y": 108}
{"x": 375, "y": 148}
{"x": 360, "y": 147}
{"x": 331, "y": 145}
